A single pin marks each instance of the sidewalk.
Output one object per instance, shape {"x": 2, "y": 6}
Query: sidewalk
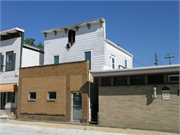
{"x": 77, "y": 128}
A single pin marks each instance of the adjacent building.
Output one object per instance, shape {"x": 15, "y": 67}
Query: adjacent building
{"x": 14, "y": 54}
{"x": 85, "y": 41}
{"x": 142, "y": 98}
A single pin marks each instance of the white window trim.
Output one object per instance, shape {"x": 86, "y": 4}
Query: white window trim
{"x": 29, "y": 96}
{"x": 91, "y": 56}
{"x": 48, "y": 95}
{"x": 114, "y": 62}
{"x": 171, "y": 76}
{"x": 53, "y": 58}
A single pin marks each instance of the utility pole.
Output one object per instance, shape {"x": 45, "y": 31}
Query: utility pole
{"x": 170, "y": 58}
{"x": 156, "y": 60}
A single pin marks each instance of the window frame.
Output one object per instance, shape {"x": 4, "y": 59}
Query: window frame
{"x": 54, "y": 59}
{"x": 30, "y": 96}
{"x": 125, "y": 63}
{"x": 48, "y": 95}
{"x": 12, "y": 61}
{"x": 90, "y": 67}
{"x": 137, "y": 77}
{"x": 112, "y": 57}
{"x": 172, "y": 76}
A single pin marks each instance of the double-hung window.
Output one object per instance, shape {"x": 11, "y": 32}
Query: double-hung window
{"x": 88, "y": 57}
{"x": 1, "y": 62}
{"x": 56, "y": 59}
{"x": 125, "y": 63}
{"x": 10, "y": 61}
{"x": 113, "y": 63}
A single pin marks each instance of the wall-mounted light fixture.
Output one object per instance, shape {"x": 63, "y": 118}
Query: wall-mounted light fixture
{"x": 155, "y": 95}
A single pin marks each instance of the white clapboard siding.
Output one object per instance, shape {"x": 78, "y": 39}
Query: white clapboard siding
{"x": 85, "y": 40}
{"x": 13, "y": 44}
{"x": 119, "y": 56}
{"x": 30, "y": 57}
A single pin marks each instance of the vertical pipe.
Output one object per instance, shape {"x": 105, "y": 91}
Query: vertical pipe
{"x": 89, "y": 99}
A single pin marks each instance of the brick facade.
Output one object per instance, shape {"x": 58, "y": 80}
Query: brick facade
{"x": 133, "y": 107}
{"x": 60, "y": 78}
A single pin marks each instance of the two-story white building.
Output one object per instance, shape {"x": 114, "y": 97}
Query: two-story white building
{"x": 14, "y": 54}
{"x": 82, "y": 41}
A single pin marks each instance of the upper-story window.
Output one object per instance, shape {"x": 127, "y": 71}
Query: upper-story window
{"x": 125, "y": 63}
{"x": 113, "y": 63}
{"x": 10, "y": 61}
{"x": 56, "y": 59}
{"x": 1, "y": 62}
{"x": 88, "y": 57}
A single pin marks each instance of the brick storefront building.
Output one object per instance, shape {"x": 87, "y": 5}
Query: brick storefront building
{"x": 57, "y": 92}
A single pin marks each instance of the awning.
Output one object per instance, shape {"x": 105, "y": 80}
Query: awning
{"x": 8, "y": 87}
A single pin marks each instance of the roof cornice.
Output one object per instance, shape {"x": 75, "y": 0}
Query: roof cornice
{"x": 113, "y": 44}
{"x": 137, "y": 71}
{"x": 74, "y": 25}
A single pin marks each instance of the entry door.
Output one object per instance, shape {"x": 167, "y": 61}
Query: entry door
{"x": 3, "y": 100}
{"x": 76, "y": 106}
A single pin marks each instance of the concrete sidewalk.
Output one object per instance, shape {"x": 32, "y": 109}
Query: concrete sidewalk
{"x": 67, "y": 128}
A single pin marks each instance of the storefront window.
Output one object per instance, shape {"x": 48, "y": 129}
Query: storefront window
{"x": 11, "y": 97}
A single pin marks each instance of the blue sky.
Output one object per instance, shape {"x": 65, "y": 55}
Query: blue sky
{"x": 142, "y": 28}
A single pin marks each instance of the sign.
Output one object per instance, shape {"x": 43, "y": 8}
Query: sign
{"x": 165, "y": 94}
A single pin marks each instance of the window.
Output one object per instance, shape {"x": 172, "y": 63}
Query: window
{"x": 1, "y": 62}
{"x": 51, "y": 95}
{"x": 173, "y": 78}
{"x": 137, "y": 80}
{"x": 155, "y": 79}
{"x": 88, "y": 57}
{"x": 106, "y": 81}
{"x": 120, "y": 81}
{"x": 32, "y": 95}
{"x": 71, "y": 36}
{"x": 113, "y": 63}
{"x": 125, "y": 63}
{"x": 11, "y": 97}
{"x": 10, "y": 61}
{"x": 56, "y": 59}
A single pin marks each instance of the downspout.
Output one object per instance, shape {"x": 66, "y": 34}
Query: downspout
{"x": 89, "y": 98}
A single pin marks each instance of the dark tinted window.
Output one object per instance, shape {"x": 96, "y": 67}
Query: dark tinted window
{"x": 32, "y": 95}
{"x": 120, "y": 81}
{"x": 52, "y": 95}
{"x": 137, "y": 80}
{"x": 106, "y": 81}
{"x": 155, "y": 79}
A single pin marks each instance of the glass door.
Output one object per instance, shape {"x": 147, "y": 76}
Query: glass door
{"x": 3, "y": 100}
{"x": 76, "y": 106}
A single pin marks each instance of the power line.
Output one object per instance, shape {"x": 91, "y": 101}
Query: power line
{"x": 141, "y": 63}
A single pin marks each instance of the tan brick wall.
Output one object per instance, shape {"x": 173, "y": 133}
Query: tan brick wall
{"x": 134, "y": 107}
{"x": 62, "y": 78}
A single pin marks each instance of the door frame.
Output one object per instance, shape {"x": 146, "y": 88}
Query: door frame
{"x": 72, "y": 106}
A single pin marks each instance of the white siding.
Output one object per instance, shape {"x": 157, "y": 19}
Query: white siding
{"x": 119, "y": 56}
{"x": 8, "y": 77}
{"x": 30, "y": 57}
{"x": 85, "y": 40}
{"x": 13, "y": 44}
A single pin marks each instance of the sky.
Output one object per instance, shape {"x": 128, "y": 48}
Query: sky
{"x": 142, "y": 28}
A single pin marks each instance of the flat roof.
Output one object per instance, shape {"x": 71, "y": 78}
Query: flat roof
{"x": 137, "y": 71}
{"x": 72, "y": 26}
{"x": 33, "y": 48}
{"x": 12, "y": 30}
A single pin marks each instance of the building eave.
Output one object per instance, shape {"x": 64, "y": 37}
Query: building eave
{"x": 72, "y": 26}
{"x": 138, "y": 71}
{"x": 12, "y": 30}
{"x": 113, "y": 44}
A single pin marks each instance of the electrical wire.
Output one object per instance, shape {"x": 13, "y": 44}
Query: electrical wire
{"x": 141, "y": 63}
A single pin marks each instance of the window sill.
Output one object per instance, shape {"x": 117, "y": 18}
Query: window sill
{"x": 31, "y": 100}
{"x": 51, "y": 100}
